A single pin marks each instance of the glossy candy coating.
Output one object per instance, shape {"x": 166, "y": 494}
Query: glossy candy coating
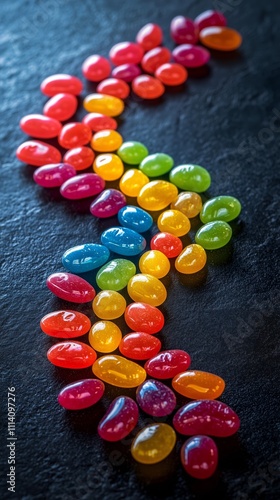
{"x": 40, "y": 126}
{"x": 183, "y": 30}
{"x": 60, "y": 83}
{"x": 74, "y": 135}
{"x": 139, "y": 345}
{"x": 199, "y": 457}
{"x": 70, "y": 287}
{"x": 173, "y": 222}
{"x": 80, "y": 158}
{"x": 123, "y": 241}
{"x": 95, "y": 68}
{"x": 133, "y": 152}
{"x": 119, "y": 420}
{"x": 106, "y": 141}
{"x": 126, "y": 53}
{"x": 155, "y": 263}
{"x": 84, "y": 258}
{"x": 155, "y": 398}
{"x": 155, "y": 58}
{"x": 224, "y": 208}
{"x": 97, "y": 122}
{"x": 115, "y": 87}
{"x": 61, "y": 106}
{"x": 38, "y": 153}
{"x": 149, "y": 36}
{"x": 135, "y": 218}
{"x": 167, "y": 243}
{"x": 82, "y": 186}
{"x": 104, "y": 104}
{"x": 171, "y": 74}
{"x": 143, "y": 317}
{"x": 104, "y": 336}
{"x": 53, "y": 175}
{"x": 190, "y": 178}
{"x": 191, "y": 56}
{"x": 147, "y": 289}
{"x": 82, "y": 394}
{"x": 210, "y": 18}
{"x": 191, "y": 260}
{"x": 119, "y": 371}
{"x": 108, "y": 203}
{"x": 188, "y": 202}
{"x": 220, "y": 38}
{"x": 214, "y": 235}
{"x": 71, "y": 354}
{"x": 167, "y": 364}
{"x": 195, "y": 384}
{"x": 109, "y": 166}
{"x": 65, "y": 324}
{"x": 132, "y": 181}
{"x": 156, "y": 164}
{"x": 147, "y": 87}
{"x": 126, "y": 72}
{"x": 115, "y": 275}
{"x": 157, "y": 195}
{"x": 153, "y": 443}
{"x": 108, "y": 304}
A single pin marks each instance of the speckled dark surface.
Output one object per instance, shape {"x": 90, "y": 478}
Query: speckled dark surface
{"x": 227, "y": 121}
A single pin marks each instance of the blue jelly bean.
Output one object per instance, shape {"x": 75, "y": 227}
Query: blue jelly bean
{"x": 83, "y": 258}
{"x": 135, "y": 218}
{"x": 123, "y": 241}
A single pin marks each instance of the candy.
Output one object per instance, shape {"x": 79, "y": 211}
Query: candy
{"x": 210, "y": 18}
{"x": 104, "y": 104}
{"x": 210, "y": 417}
{"x": 214, "y": 235}
{"x": 95, "y": 68}
{"x": 139, "y": 345}
{"x": 70, "y": 287}
{"x": 40, "y": 126}
{"x": 82, "y": 394}
{"x": 126, "y": 72}
{"x": 199, "y": 457}
{"x": 135, "y": 218}
{"x": 220, "y": 38}
{"x": 126, "y": 53}
{"x": 105, "y": 336}
{"x": 155, "y": 58}
{"x": 155, "y": 263}
{"x": 81, "y": 157}
{"x": 224, "y": 208}
{"x": 155, "y": 398}
{"x": 61, "y": 106}
{"x": 106, "y": 141}
{"x": 74, "y": 135}
{"x": 53, "y": 175}
{"x": 71, "y": 354}
{"x": 123, "y": 241}
{"x": 109, "y": 166}
{"x": 119, "y": 420}
{"x": 183, "y": 30}
{"x": 195, "y": 384}
{"x": 191, "y": 56}
{"x": 56, "y": 84}
{"x": 171, "y": 74}
{"x": 188, "y": 202}
{"x": 132, "y": 181}
{"x": 38, "y": 153}
{"x": 133, "y": 152}
{"x": 157, "y": 195}
{"x": 167, "y": 364}
{"x": 115, "y": 87}
{"x": 119, "y": 371}
{"x": 149, "y": 36}
{"x": 65, "y": 324}
{"x": 167, "y": 243}
{"x": 190, "y": 178}
{"x": 82, "y": 186}
{"x": 115, "y": 275}
{"x": 156, "y": 164}
{"x": 147, "y": 87}
{"x": 173, "y": 222}
{"x": 153, "y": 443}
{"x": 144, "y": 317}
{"x": 86, "y": 257}
{"x": 97, "y": 122}
{"x": 191, "y": 260}
{"x": 107, "y": 203}
{"x": 147, "y": 289}
{"x": 109, "y": 304}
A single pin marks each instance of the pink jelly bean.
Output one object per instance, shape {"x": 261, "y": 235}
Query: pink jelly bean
{"x": 81, "y": 394}
{"x": 191, "y": 56}
{"x": 38, "y": 153}
{"x": 82, "y": 186}
{"x": 167, "y": 364}
{"x": 70, "y": 287}
{"x": 199, "y": 457}
{"x": 155, "y": 398}
{"x": 210, "y": 18}
{"x": 119, "y": 420}
{"x": 126, "y": 72}
{"x": 53, "y": 175}
{"x": 108, "y": 203}
{"x": 183, "y": 30}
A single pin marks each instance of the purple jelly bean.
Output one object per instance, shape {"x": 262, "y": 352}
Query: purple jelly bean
{"x": 191, "y": 56}
{"x": 155, "y": 398}
{"x": 126, "y": 72}
{"x": 53, "y": 175}
{"x": 119, "y": 420}
{"x": 108, "y": 203}
{"x": 82, "y": 186}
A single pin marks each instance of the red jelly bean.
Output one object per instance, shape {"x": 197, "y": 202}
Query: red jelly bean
{"x": 81, "y": 394}
{"x": 40, "y": 126}
{"x": 199, "y": 457}
{"x": 97, "y": 122}
{"x": 167, "y": 364}
{"x": 155, "y": 398}
{"x": 184, "y": 30}
{"x": 126, "y": 72}
{"x": 191, "y": 56}
{"x": 126, "y": 53}
{"x": 38, "y": 153}
{"x": 61, "y": 107}
{"x": 155, "y": 58}
{"x": 65, "y": 324}
{"x": 114, "y": 86}
{"x": 139, "y": 345}
{"x": 119, "y": 420}
{"x": 95, "y": 68}
{"x": 206, "y": 416}
{"x": 167, "y": 243}
{"x": 147, "y": 87}
{"x": 210, "y": 18}
{"x": 70, "y": 287}
{"x": 171, "y": 74}
{"x": 108, "y": 203}
{"x": 150, "y": 36}
{"x": 55, "y": 84}
{"x": 144, "y": 317}
{"x": 53, "y": 175}
{"x": 71, "y": 354}
{"x": 74, "y": 135}
{"x": 80, "y": 158}
{"x": 82, "y": 186}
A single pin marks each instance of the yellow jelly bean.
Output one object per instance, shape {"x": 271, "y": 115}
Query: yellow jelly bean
{"x": 194, "y": 384}
{"x": 132, "y": 182}
{"x": 153, "y": 443}
{"x": 188, "y": 202}
{"x": 174, "y": 222}
{"x": 146, "y": 288}
{"x": 104, "y": 104}
{"x": 119, "y": 371}
{"x": 108, "y": 304}
{"x": 105, "y": 336}
{"x": 157, "y": 195}
{"x": 191, "y": 260}
{"x": 105, "y": 141}
{"x": 155, "y": 263}
{"x": 109, "y": 166}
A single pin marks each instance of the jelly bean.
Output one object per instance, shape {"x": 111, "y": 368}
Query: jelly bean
{"x": 126, "y": 72}
{"x": 71, "y": 354}
{"x": 84, "y": 258}
{"x": 132, "y": 181}
{"x": 199, "y": 457}
{"x": 167, "y": 364}
{"x": 153, "y": 443}
{"x": 214, "y": 235}
{"x": 133, "y": 152}
{"x": 57, "y": 84}
{"x": 155, "y": 58}
{"x": 167, "y": 243}
{"x": 107, "y": 203}
{"x": 105, "y": 336}
{"x": 65, "y": 324}
{"x": 115, "y": 275}
{"x": 224, "y": 208}
{"x": 147, "y": 289}
{"x": 53, "y": 175}
{"x": 139, "y": 345}
{"x": 143, "y": 317}
{"x": 108, "y": 304}
{"x": 155, "y": 263}
{"x": 106, "y": 141}
{"x": 220, "y": 38}
{"x": 80, "y": 158}
{"x": 109, "y": 166}
{"x": 40, "y": 126}
{"x": 157, "y": 195}
{"x": 70, "y": 287}
{"x": 183, "y": 30}
{"x": 95, "y": 68}
{"x": 210, "y": 417}
{"x": 119, "y": 420}
{"x": 123, "y": 241}
{"x": 191, "y": 260}
{"x": 198, "y": 385}
{"x": 74, "y": 135}
{"x": 38, "y": 153}
{"x": 171, "y": 74}
{"x": 190, "y": 178}
{"x": 147, "y": 87}
{"x": 115, "y": 87}
{"x": 155, "y": 398}
{"x": 191, "y": 56}
{"x": 104, "y": 104}
{"x": 210, "y": 18}
{"x": 156, "y": 164}
{"x": 135, "y": 218}
{"x": 149, "y": 36}
{"x": 82, "y": 186}
{"x": 119, "y": 371}
{"x": 97, "y": 122}
{"x": 126, "y": 53}
{"x": 82, "y": 394}
{"x": 61, "y": 106}
{"x": 173, "y": 222}
{"x": 189, "y": 203}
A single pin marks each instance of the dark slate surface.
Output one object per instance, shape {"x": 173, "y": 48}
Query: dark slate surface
{"x": 227, "y": 121}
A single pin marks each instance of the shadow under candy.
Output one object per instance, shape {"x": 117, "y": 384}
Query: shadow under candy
{"x": 221, "y": 255}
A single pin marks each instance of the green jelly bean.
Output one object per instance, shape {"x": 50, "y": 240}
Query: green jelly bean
{"x": 214, "y": 235}
{"x": 132, "y": 152}
{"x": 224, "y": 208}
{"x": 115, "y": 275}
{"x": 190, "y": 178}
{"x": 156, "y": 164}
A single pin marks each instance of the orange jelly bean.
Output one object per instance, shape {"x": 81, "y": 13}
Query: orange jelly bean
{"x": 80, "y": 158}
{"x": 195, "y": 384}
{"x": 220, "y": 38}
{"x": 98, "y": 121}
{"x": 171, "y": 74}
{"x": 106, "y": 141}
{"x": 114, "y": 86}
{"x": 147, "y": 87}
{"x": 65, "y": 324}
{"x": 71, "y": 354}
{"x": 191, "y": 260}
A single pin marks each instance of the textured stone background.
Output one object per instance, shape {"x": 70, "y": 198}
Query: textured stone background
{"x": 227, "y": 320}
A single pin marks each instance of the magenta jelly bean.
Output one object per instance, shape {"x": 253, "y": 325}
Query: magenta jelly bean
{"x": 199, "y": 457}
{"x": 70, "y": 287}
{"x": 167, "y": 364}
{"x": 126, "y": 72}
{"x": 108, "y": 203}
{"x": 82, "y": 394}
{"x": 184, "y": 30}
{"x": 191, "y": 56}
{"x": 126, "y": 53}
{"x": 38, "y": 153}
{"x": 210, "y": 18}
{"x": 119, "y": 420}
{"x": 82, "y": 186}
{"x": 56, "y": 84}
{"x": 53, "y": 175}
{"x": 155, "y": 398}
